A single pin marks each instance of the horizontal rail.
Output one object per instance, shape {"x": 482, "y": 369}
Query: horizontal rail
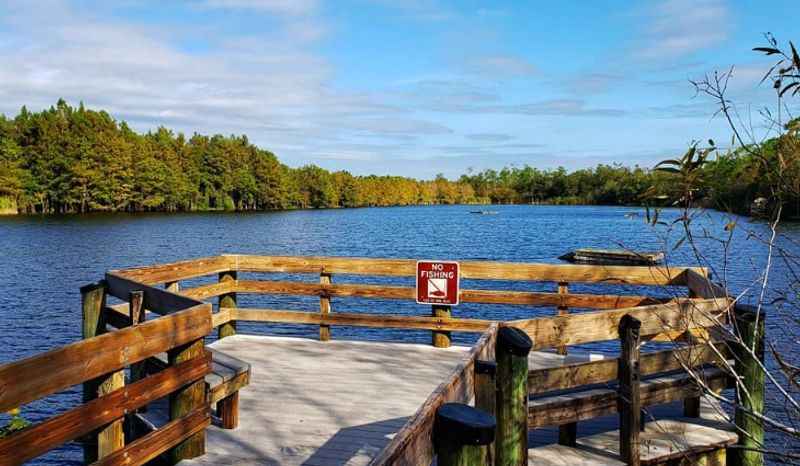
{"x": 43, "y": 437}
{"x": 358, "y": 320}
{"x": 47, "y": 373}
{"x": 573, "y": 329}
{"x": 606, "y": 370}
{"x": 413, "y": 444}
{"x": 209, "y": 291}
{"x": 703, "y": 287}
{"x": 148, "y": 447}
{"x": 176, "y": 271}
{"x": 590, "y": 404}
{"x": 481, "y": 270}
{"x": 407, "y": 293}
{"x": 155, "y": 300}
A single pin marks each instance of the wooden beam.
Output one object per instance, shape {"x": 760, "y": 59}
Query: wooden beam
{"x": 43, "y": 437}
{"x": 482, "y": 270}
{"x": 440, "y": 339}
{"x": 176, "y": 271}
{"x": 324, "y": 306}
{"x": 212, "y": 290}
{"x": 155, "y": 300}
{"x": 38, "y": 376}
{"x": 702, "y": 286}
{"x": 605, "y": 370}
{"x": 186, "y": 400}
{"x": 149, "y": 447}
{"x": 360, "y": 320}
{"x": 630, "y": 406}
{"x": 227, "y": 300}
{"x": 548, "y": 332}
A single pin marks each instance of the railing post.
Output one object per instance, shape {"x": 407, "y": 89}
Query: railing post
{"x": 486, "y": 396}
{"x": 227, "y": 300}
{"x": 112, "y": 437}
{"x": 563, "y": 289}
{"x": 567, "y": 433}
{"x": 441, "y": 338}
{"x": 187, "y": 400}
{"x": 629, "y": 400}
{"x": 324, "y": 307}
{"x": 749, "y": 327}
{"x": 461, "y": 434}
{"x": 511, "y": 354}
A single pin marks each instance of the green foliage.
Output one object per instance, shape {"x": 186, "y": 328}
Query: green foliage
{"x": 15, "y": 424}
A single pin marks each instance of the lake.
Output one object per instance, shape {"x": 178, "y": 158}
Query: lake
{"x": 46, "y": 259}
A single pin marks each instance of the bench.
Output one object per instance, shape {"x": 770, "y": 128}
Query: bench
{"x": 228, "y": 375}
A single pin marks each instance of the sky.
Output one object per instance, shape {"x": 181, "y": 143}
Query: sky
{"x": 403, "y": 87}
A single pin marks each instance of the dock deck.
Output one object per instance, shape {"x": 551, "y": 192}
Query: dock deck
{"x": 321, "y": 403}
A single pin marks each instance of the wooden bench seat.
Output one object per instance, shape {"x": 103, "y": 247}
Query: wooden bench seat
{"x": 228, "y": 375}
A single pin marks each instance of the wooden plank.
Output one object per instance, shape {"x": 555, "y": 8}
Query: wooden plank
{"x": 176, "y": 271}
{"x": 45, "y": 436}
{"x": 325, "y": 290}
{"x": 630, "y": 406}
{"x": 588, "y": 327}
{"x": 703, "y": 287}
{"x": 155, "y": 300}
{"x": 230, "y": 387}
{"x": 360, "y": 320}
{"x": 212, "y": 290}
{"x": 38, "y": 376}
{"x": 483, "y": 270}
{"x": 228, "y": 300}
{"x": 324, "y": 306}
{"x": 589, "y": 404}
{"x": 157, "y": 442}
{"x": 413, "y": 444}
{"x": 186, "y": 400}
{"x": 221, "y": 317}
{"x": 605, "y": 370}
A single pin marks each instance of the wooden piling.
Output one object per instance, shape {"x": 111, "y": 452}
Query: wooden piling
{"x": 324, "y": 307}
{"x": 511, "y": 354}
{"x": 104, "y": 441}
{"x": 227, "y": 300}
{"x": 630, "y": 407}
{"x": 441, "y": 339}
{"x": 185, "y": 401}
{"x": 486, "y": 396}
{"x": 563, "y": 289}
{"x": 749, "y": 327}
{"x": 461, "y": 434}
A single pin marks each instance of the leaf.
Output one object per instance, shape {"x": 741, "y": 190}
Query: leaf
{"x": 730, "y": 225}
{"x": 767, "y": 50}
{"x": 795, "y": 56}
{"x": 786, "y": 89}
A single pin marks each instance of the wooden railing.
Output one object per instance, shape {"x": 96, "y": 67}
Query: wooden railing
{"x": 97, "y": 362}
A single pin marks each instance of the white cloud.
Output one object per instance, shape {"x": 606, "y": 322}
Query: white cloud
{"x": 675, "y": 28}
{"x": 286, "y": 7}
{"x": 501, "y": 66}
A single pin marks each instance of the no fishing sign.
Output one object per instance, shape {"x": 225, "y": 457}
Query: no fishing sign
{"x": 437, "y": 282}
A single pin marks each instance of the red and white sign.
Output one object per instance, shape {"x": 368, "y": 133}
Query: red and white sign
{"x": 437, "y": 282}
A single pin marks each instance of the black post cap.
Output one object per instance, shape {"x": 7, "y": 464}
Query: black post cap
{"x": 457, "y": 423}
{"x": 514, "y": 341}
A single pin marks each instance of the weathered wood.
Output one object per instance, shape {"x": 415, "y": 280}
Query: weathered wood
{"x": 413, "y": 444}
{"x": 562, "y": 309}
{"x": 176, "y": 271}
{"x": 227, "y": 300}
{"x": 511, "y": 354}
{"x": 482, "y": 270}
{"x": 228, "y": 411}
{"x": 229, "y": 387}
{"x": 210, "y": 290}
{"x": 185, "y": 401}
{"x": 173, "y": 287}
{"x": 526, "y": 298}
{"x": 157, "y": 442}
{"x": 749, "y": 328}
{"x": 324, "y": 306}
{"x": 548, "y": 332}
{"x": 155, "y": 300}
{"x": 360, "y": 320}
{"x": 137, "y": 316}
{"x": 702, "y": 286}
{"x": 440, "y": 339}
{"x": 629, "y": 396}
{"x": 589, "y": 404}
{"x": 462, "y": 434}
{"x": 43, "y": 437}
{"x": 486, "y": 396}
{"x": 606, "y": 370}
{"x": 38, "y": 376}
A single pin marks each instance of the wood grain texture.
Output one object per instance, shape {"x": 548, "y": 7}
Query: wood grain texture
{"x": 212, "y": 290}
{"x": 155, "y": 300}
{"x": 360, "y": 320}
{"x": 176, "y": 271}
{"x": 79, "y": 421}
{"x": 588, "y": 327}
{"x": 702, "y": 286}
{"x": 484, "y": 270}
{"x": 157, "y": 442}
{"x": 630, "y": 407}
{"x": 413, "y": 444}
{"x": 324, "y": 306}
{"x": 38, "y": 376}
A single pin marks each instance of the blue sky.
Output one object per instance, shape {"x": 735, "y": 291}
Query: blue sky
{"x": 407, "y": 87}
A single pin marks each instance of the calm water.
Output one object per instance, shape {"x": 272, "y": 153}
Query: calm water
{"x": 46, "y": 259}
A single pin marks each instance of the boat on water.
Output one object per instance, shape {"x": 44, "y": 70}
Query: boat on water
{"x": 612, "y": 257}
{"x": 483, "y": 212}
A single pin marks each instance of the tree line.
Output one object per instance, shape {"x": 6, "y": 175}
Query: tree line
{"x": 74, "y": 160}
